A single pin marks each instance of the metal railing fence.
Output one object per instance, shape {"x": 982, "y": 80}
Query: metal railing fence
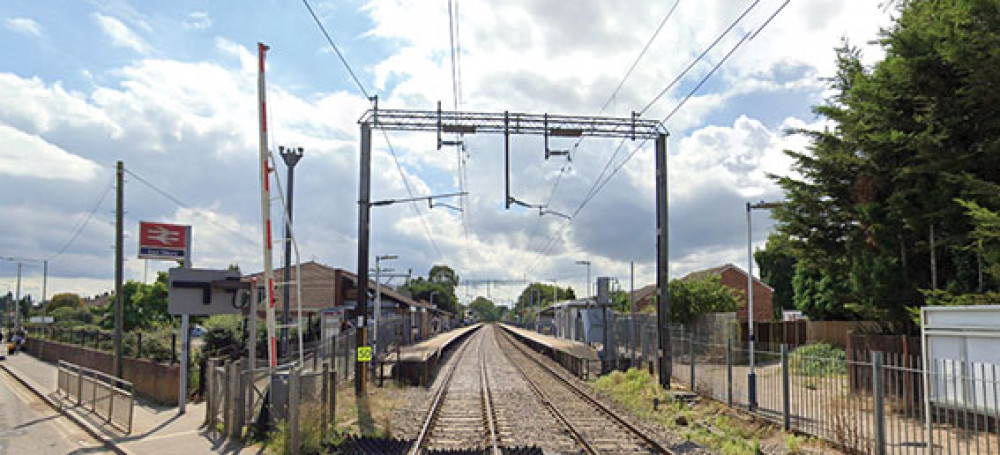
{"x": 872, "y": 405}
{"x": 104, "y": 395}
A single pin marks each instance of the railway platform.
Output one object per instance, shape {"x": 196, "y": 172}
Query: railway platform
{"x": 413, "y": 364}
{"x": 575, "y": 356}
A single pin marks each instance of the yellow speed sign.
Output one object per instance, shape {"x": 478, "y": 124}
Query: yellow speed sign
{"x": 364, "y": 354}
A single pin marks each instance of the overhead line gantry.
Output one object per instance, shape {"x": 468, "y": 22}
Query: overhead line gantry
{"x": 510, "y": 123}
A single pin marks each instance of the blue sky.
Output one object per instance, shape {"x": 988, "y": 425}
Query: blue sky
{"x": 170, "y": 88}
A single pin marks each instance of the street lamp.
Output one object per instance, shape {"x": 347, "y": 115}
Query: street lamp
{"x": 291, "y": 157}
{"x": 378, "y": 295}
{"x": 586, "y": 263}
{"x": 752, "y": 375}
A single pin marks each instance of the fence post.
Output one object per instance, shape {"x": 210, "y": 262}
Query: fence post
{"x": 138, "y": 345}
{"x": 236, "y": 428}
{"x": 332, "y": 397}
{"x": 325, "y": 396}
{"x": 877, "y": 391}
{"x": 226, "y": 398}
{"x": 786, "y": 405}
{"x": 210, "y": 397}
{"x": 173, "y": 347}
{"x": 729, "y": 372}
{"x": 293, "y": 410}
{"x": 691, "y": 358}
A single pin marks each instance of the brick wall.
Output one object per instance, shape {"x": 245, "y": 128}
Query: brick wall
{"x": 157, "y": 381}
{"x": 762, "y": 310}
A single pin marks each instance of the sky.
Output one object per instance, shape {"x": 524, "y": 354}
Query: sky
{"x": 170, "y": 88}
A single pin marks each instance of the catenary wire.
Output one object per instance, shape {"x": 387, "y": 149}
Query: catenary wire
{"x": 614, "y": 93}
{"x": 600, "y": 185}
{"x": 699, "y": 58}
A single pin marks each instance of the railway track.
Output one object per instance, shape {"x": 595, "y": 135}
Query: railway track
{"x": 595, "y": 427}
{"x": 461, "y": 415}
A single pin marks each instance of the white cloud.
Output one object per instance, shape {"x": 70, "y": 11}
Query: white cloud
{"x": 198, "y": 20}
{"x": 25, "y": 26}
{"x": 27, "y": 155}
{"x": 189, "y": 125}
{"x": 120, "y": 34}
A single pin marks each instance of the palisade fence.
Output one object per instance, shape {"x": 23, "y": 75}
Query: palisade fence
{"x": 870, "y": 404}
{"x": 241, "y": 400}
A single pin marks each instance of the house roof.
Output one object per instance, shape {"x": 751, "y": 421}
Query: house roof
{"x": 319, "y": 287}
{"x": 715, "y": 271}
{"x": 645, "y": 292}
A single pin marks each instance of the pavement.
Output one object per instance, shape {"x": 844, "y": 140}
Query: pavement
{"x": 155, "y": 428}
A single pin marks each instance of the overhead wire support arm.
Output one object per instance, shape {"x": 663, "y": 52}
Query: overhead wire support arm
{"x": 440, "y": 141}
{"x": 548, "y": 151}
{"x": 417, "y": 198}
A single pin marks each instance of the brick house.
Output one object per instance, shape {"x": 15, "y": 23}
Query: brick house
{"x": 736, "y": 278}
{"x": 325, "y": 287}
{"x": 732, "y": 277}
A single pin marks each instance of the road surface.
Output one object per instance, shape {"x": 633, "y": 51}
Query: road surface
{"x": 29, "y": 425}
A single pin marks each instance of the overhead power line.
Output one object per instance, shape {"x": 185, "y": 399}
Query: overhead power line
{"x": 392, "y": 150}
{"x": 600, "y": 184}
{"x": 79, "y": 227}
{"x": 614, "y": 93}
{"x": 700, "y": 57}
{"x": 336, "y": 49}
{"x": 207, "y": 216}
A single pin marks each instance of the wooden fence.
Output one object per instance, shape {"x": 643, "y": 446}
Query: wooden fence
{"x": 797, "y": 333}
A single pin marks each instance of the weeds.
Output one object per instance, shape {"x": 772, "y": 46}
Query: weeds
{"x": 793, "y": 443}
{"x": 819, "y": 359}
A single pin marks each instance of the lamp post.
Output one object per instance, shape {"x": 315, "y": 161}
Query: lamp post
{"x": 586, "y": 263}
{"x": 291, "y": 157}
{"x": 378, "y": 295}
{"x": 752, "y": 375}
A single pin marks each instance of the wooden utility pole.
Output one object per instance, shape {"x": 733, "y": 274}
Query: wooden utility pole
{"x": 119, "y": 259}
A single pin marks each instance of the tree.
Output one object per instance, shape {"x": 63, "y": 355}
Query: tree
{"x": 441, "y": 282}
{"x": 485, "y": 309}
{"x": 63, "y": 300}
{"x": 777, "y": 268}
{"x": 541, "y": 295}
{"x": 691, "y": 298}
{"x": 443, "y": 274}
{"x": 145, "y": 305}
{"x": 871, "y": 216}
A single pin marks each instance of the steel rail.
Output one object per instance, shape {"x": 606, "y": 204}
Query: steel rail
{"x": 547, "y": 402}
{"x": 487, "y": 401}
{"x": 436, "y": 404}
{"x": 586, "y": 397}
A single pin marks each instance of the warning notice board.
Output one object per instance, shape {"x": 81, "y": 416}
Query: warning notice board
{"x": 364, "y": 354}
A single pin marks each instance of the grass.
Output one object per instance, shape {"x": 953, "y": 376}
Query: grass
{"x": 708, "y": 424}
{"x": 370, "y": 416}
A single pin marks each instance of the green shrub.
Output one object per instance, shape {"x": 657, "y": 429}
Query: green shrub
{"x": 819, "y": 359}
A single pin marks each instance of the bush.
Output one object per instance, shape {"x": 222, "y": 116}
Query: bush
{"x": 72, "y": 317}
{"x": 819, "y": 359}
{"x": 224, "y": 335}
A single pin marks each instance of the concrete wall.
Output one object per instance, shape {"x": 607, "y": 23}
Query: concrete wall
{"x": 157, "y": 381}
